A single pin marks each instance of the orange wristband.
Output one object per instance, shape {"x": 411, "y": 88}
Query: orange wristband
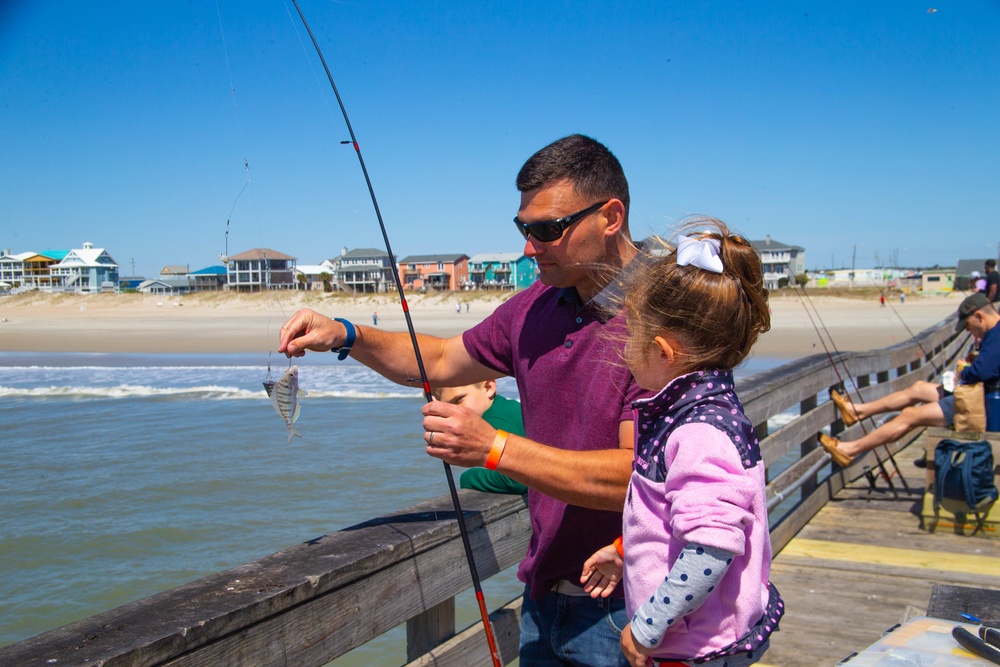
{"x": 496, "y": 451}
{"x": 619, "y": 547}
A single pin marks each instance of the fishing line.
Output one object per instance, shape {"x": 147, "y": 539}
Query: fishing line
{"x": 803, "y": 298}
{"x": 857, "y": 391}
{"x": 224, "y": 257}
{"x": 463, "y": 529}
{"x": 913, "y": 336}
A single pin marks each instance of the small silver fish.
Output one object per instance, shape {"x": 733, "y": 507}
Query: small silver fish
{"x": 285, "y": 399}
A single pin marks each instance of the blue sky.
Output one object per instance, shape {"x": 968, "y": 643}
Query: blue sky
{"x": 849, "y": 128}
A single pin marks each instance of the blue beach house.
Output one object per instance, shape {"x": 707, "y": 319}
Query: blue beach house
{"x": 86, "y": 269}
{"x": 209, "y": 279}
{"x": 510, "y": 270}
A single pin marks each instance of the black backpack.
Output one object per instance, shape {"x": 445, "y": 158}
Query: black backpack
{"x": 964, "y": 471}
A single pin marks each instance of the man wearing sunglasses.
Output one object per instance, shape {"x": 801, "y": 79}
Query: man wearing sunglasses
{"x": 557, "y": 339}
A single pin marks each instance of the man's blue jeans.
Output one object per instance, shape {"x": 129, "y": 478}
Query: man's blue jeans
{"x": 566, "y": 630}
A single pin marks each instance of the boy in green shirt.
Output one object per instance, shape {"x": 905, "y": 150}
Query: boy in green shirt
{"x": 500, "y": 413}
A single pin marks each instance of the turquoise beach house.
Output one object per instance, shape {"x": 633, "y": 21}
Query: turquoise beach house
{"x": 511, "y": 270}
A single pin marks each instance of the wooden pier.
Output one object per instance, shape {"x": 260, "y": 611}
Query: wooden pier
{"x": 851, "y": 559}
{"x": 863, "y": 563}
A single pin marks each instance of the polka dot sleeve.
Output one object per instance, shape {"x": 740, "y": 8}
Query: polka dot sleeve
{"x": 692, "y": 578}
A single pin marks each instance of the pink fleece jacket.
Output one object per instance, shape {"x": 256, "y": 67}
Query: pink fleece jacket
{"x": 698, "y": 478}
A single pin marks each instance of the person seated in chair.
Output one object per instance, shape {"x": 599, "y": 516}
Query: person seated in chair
{"x": 922, "y": 403}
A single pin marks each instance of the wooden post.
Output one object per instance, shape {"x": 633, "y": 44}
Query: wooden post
{"x": 427, "y": 630}
{"x": 808, "y": 444}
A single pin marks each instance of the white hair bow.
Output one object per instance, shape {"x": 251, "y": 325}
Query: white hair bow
{"x": 703, "y": 253}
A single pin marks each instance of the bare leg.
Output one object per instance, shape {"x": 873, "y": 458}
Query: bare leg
{"x": 928, "y": 414}
{"x": 918, "y": 392}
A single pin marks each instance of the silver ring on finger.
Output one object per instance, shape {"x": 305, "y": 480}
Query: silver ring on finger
{"x": 430, "y": 438}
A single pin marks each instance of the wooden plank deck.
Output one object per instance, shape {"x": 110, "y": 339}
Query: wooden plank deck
{"x": 863, "y": 563}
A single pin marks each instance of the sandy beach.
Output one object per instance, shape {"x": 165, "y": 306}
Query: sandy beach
{"x": 223, "y": 322}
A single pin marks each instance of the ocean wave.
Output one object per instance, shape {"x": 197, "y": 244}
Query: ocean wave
{"x": 209, "y": 392}
{"x": 71, "y": 369}
{"x": 354, "y": 393}
{"x": 130, "y": 391}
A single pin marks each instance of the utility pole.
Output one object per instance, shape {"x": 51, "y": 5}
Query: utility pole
{"x": 854, "y": 254}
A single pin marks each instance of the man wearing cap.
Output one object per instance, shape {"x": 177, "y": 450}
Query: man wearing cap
{"x": 923, "y": 403}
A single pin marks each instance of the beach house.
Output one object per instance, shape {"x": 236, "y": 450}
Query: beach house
{"x": 12, "y": 268}
{"x": 314, "y": 276}
{"x": 28, "y": 270}
{"x": 363, "y": 270}
{"x": 180, "y": 279}
{"x": 209, "y": 279}
{"x": 260, "y": 269}
{"x": 439, "y": 272}
{"x": 510, "y": 270}
{"x": 164, "y": 285}
{"x": 877, "y": 277}
{"x": 937, "y": 281}
{"x": 86, "y": 269}
{"x": 780, "y": 260}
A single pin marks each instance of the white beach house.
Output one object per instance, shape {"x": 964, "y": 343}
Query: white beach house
{"x": 86, "y": 269}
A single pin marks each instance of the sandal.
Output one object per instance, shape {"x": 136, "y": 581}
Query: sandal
{"x": 846, "y": 408}
{"x": 830, "y": 445}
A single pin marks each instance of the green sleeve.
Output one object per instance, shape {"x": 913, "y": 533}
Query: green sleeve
{"x": 503, "y": 414}
{"x": 491, "y": 481}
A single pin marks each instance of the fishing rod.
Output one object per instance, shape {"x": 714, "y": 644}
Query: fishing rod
{"x": 913, "y": 336}
{"x": 857, "y": 391}
{"x": 462, "y": 528}
{"x": 803, "y": 298}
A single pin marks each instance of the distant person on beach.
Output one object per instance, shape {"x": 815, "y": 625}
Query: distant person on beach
{"x": 881, "y": 301}
{"x": 922, "y": 403}
{"x": 695, "y": 555}
{"x": 500, "y": 413}
{"x": 375, "y": 318}
{"x": 992, "y": 281}
{"x": 553, "y": 338}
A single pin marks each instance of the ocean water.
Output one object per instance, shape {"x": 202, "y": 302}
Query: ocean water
{"x": 124, "y": 475}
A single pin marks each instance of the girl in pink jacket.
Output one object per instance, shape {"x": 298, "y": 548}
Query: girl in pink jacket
{"x": 695, "y": 549}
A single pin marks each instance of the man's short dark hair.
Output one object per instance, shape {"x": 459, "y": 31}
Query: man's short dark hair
{"x": 992, "y": 263}
{"x": 594, "y": 170}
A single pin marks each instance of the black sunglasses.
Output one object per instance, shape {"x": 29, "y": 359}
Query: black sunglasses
{"x": 547, "y": 231}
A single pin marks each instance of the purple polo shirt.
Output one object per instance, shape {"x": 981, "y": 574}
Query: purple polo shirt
{"x": 575, "y": 391}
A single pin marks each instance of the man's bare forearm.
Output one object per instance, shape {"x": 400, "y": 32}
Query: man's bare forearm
{"x": 391, "y": 354}
{"x": 594, "y": 479}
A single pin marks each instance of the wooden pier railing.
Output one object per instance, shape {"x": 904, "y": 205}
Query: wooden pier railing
{"x": 321, "y": 599}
